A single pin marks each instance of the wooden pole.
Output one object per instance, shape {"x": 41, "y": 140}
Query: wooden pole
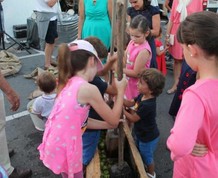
{"x": 120, "y": 53}
{"x": 113, "y": 30}
{"x": 113, "y": 26}
{"x": 120, "y": 38}
{"x": 123, "y": 127}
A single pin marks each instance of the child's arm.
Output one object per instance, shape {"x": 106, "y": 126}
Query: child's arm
{"x": 110, "y": 61}
{"x": 128, "y": 103}
{"x": 131, "y": 116}
{"x": 140, "y": 62}
{"x": 111, "y": 89}
{"x": 97, "y": 124}
{"x": 94, "y": 98}
{"x": 187, "y": 125}
{"x": 161, "y": 50}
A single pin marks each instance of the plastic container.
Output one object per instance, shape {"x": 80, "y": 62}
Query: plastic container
{"x": 38, "y": 122}
{"x": 67, "y": 28}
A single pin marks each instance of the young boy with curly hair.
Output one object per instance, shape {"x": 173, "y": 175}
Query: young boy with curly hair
{"x": 150, "y": 85}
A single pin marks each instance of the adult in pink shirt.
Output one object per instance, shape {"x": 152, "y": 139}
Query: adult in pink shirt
{"x": 197, "y": 120}
{"x": 180, "y": 9}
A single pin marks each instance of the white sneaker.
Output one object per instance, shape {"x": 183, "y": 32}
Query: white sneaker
{"x": 151, "y": 176}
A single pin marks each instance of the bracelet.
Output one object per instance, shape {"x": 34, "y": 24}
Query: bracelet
{"x": 167, "y": 36}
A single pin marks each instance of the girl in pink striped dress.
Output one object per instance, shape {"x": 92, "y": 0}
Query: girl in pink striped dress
{"x": 61, "y": 148}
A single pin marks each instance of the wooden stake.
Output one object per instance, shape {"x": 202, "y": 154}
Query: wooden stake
{"x": 135, "y": 153}
{"x": 120, "y": 53}
{"x": 113, "y": 26}
{"x": 113, "y": 30}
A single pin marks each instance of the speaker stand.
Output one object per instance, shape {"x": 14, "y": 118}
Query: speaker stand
{"x": 3, "y": 33}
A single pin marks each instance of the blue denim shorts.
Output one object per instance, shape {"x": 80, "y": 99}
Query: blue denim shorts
{"x": 147, "y": 149}
{"x": 90, "y": 143}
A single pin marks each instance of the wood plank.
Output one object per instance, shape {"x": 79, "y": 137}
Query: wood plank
{"x": 136, "y": 155}
{"x": 93, "y": 169}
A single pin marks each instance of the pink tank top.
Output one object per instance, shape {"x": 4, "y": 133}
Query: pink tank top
{"x": 132, "y": 52}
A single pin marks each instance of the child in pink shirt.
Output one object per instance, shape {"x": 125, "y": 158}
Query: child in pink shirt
{"x": 61, "y": 148}
{"x": 138, "y": 54}
{"x": 196, "y": 124}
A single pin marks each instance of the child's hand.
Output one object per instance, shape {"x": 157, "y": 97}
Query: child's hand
{"x": 121, "y": 85}
{"x": 112, "y": 58}
{"x": 122, "y": 120}
{"x": 129, "y": 110}
{"x": 199, "y": 150}
{"x": 166, "y": 48}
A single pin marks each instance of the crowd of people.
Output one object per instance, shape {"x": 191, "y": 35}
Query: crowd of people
{"x": 74, "y": 117}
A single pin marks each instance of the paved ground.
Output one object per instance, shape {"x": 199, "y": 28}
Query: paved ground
{"x": 24, "y": 138}
{"x": 21, "y": 134}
